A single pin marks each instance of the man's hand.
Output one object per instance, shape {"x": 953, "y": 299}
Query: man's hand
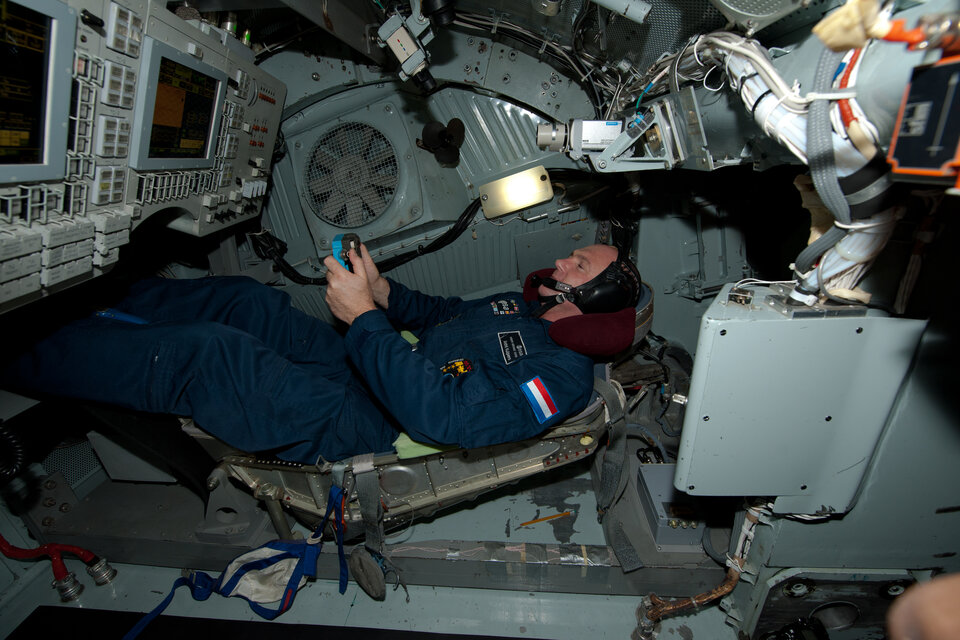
{"x": 378, "y": 284}
{"x": 350, "y": 295}
{"x": 927, "y": 611}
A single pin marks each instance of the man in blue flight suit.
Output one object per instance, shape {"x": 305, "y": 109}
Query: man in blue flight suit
{"x": 263, "y": 376}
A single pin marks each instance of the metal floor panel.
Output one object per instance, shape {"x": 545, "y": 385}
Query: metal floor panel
{"x": 431, "y": 609}
{"x": 533, "y": 613}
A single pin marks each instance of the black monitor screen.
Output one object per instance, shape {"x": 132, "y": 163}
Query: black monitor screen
{"x": 25, "y": 47}
{"x": 183, "y": 112}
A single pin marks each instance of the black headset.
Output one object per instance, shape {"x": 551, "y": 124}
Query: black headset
{"x": 616, "y": 287}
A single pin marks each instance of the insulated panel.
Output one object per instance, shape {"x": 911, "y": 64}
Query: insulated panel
{"x": 805, "y": 434}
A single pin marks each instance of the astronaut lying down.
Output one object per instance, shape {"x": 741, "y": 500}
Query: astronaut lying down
{"x": 264, "y": 377}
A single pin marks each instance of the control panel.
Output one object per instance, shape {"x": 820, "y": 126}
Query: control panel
{"x": 110, "y": 113}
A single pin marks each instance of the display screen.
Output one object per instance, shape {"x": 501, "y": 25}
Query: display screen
{"x": 183, "y": 112}
{"x": 25, "y": 47}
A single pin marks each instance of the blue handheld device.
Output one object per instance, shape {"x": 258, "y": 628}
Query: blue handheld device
{"x": 342, "y": 243}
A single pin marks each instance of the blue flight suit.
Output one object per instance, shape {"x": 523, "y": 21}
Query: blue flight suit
{"x": 263, "y": 376}
{"x": 464, "y": 381}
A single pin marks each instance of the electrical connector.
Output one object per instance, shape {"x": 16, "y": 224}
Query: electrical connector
{"x": 69, "y": 587}
{"x": 101, "y": 572}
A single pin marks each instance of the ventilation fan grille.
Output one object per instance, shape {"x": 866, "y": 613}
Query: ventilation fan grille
{"x": 351, "y": 175}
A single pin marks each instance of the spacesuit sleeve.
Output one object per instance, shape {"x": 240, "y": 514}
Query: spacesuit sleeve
{"x": 480, "y": 408}
{"x": 413, "y": 310}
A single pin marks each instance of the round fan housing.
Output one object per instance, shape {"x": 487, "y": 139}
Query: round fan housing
{"x": 351, "y": 176}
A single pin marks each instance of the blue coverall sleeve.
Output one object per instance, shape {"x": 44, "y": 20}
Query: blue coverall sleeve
{"x": 484, "y": 407}
{"x": 414, "y": 310}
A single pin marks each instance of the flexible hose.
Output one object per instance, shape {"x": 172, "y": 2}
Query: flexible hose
{"x": 268, "y": 246}
{"x": 53, "y": 551}
{"x": 812, "y": 252}
{"x": 822, "y": 163}
{"x": 448, "y": 236}
{"x": 820, "y": 156}
{"x": 12, "y": 452}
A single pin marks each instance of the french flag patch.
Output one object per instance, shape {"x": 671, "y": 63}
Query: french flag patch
{"x": 540, "y": 399}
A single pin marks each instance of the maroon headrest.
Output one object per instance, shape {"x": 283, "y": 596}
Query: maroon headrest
{"x": 593, "y": 334}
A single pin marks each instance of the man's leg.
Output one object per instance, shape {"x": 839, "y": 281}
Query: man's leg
{"x": 233, "y": 385}
{"x": 257, "y": 309}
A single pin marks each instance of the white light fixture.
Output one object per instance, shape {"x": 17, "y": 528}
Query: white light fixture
{"x": 512, "y": 193}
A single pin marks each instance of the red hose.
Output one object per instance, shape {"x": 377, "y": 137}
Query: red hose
{"x": 846, "y": 111}
{"x": 898, "y": 33}
{"x": 53, "y": 551}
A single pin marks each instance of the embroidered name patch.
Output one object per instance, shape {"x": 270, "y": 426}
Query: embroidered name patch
{"x": 511, "y": 346}
{"x": 457, "y": 367}
{"x": 540, "y": 399}
{"x": 504, "y": 307}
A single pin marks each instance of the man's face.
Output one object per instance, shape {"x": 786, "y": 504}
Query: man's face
{"x": 582, "y": 266}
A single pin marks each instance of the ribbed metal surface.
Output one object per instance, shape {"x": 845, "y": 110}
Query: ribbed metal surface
{"x": 759, "y": 7}
{"x": 454, "y": 269}
{"x": 351, "y": 175}
{"x": 499, "y": 135}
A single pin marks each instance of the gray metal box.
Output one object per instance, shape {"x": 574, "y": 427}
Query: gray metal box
{"x": 790, "y": 402}
{"x": 671, "y": 514}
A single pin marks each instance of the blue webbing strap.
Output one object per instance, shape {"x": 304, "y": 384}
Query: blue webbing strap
{"x": 305, "y": 551}
{"x": 335, "y": 506}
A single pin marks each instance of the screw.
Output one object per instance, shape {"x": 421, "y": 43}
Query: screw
{"x": 64, "y": 507}
{"x": 315, "y": 75}
{"x": 470, "y": 41}
{"x": 49, "y": 502}
{"x": 484, "y": 197}
{"x": 49, "y": 484}
{"x": 545, "y": 85}
{"x": 47, "y": 522}
{"x": 798, "y": 589}
{"x": 602, "y": 164}
{"x": 466, "y": 68}
{"x": 895, "y": 590}
{"x": 506, "y": 78}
